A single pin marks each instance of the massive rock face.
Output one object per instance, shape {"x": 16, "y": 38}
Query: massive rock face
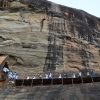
{"x": 47, "y": 36}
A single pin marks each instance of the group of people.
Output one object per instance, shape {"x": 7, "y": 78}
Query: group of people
{"x": 88, "y": 74}
{"x": 9, "y": 74}
{"x": 40, "y": 76}
{"x": 92, "y": 74}
{"x": 79, "y": 75}
{"x": 34, "y": 77}
{"x": 49, "y": 76}
{"x": 14, "y": 75}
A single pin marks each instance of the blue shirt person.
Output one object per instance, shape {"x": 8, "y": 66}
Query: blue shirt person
{"x": 93, "y": 73}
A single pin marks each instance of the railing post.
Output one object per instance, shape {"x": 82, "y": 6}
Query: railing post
{"x": 31, "y": 82}
{"x": 72, "y": 82}
{"x": 3, "y": 4}
{"x": 22, "y": 82}
{"x": 62, "y": 81}
{"x": 82, "y": 79}
{"x": 42, "y": 82}
{"x": 6, "y": 3}
{"x": 52, "y": 81}
{"x": 92, "y": 79}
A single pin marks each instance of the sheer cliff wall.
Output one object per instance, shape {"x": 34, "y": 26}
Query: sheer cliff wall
{"x": 47, "y": 36}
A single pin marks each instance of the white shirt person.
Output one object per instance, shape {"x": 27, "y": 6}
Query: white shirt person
{"x": 47, "y": 76}
{"x": 59, "y": 76}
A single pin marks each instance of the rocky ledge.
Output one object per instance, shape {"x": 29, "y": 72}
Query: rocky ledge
{"x": 48, "y": 36}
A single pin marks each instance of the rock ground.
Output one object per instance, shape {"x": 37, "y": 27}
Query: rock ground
{"x": 57, "y": 92}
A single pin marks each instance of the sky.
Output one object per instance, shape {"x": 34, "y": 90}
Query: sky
{"x": 90, "y": 6}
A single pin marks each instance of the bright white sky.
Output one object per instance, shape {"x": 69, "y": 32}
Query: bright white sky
{"x": 90, "y": 6}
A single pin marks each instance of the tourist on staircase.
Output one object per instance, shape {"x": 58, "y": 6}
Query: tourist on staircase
{"x": 65, "y": 75}
{"x": 80, "y": 75}
{"x": 34, "y": 77}
{"x": 73, "y": 76}
{"x": 40, "y": 77}
{"x": 28, "y": 77}
{"x": 50, "y": 76}
{"x": 47, "y": 76}
{"x": 93, "y": 73}
{"x": 5, "y": 70}
{"x": 10, "y": 75}
{"x": 16, "y": 76}
{"x": 59, "y": 76}
{"x": 88, "y": 74}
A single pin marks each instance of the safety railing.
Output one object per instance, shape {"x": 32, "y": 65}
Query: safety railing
{"x": 56, "y": 75}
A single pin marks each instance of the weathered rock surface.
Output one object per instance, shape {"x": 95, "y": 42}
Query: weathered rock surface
{"x": 69, "y": 92}
{"x": 39, "y": 33}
